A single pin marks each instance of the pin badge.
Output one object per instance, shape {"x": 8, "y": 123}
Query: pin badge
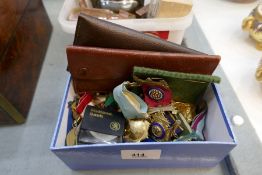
{"x": 156, "y": 94}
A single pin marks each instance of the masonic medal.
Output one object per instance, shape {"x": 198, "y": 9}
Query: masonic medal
{"x": 137, "y": 130}
{"x": 187, "y": 110}
{"x": 156, "y": 93}
{"x": 161, "y": 126}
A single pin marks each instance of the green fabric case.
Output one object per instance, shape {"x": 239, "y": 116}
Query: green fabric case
{"x": 186, "y": 87}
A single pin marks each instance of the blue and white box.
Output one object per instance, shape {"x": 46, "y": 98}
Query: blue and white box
{"x": 220, "y": 140}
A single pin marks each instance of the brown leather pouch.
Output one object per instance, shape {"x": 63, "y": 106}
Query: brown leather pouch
{"x": 102, "y": 69}
{"x": 94, "y": 32}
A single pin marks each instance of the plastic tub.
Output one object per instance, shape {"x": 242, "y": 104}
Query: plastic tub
{"x": 171, "y": 29}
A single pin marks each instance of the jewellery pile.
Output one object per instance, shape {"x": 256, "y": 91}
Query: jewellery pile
{"x": 140, "y": 111}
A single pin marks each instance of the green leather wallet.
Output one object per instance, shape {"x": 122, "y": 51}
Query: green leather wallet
{"x": 186, "y": 87}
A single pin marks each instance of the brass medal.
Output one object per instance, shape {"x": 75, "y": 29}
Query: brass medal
{"x": 137, "y": 130}
{"x": 71, "y": 137}
{"x": 186, "y": 109}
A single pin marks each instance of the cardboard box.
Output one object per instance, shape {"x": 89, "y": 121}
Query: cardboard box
{"x": 218, "y": 132}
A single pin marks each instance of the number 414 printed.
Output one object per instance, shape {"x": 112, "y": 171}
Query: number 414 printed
{"x": 138, "y": 155}
{"x": 141, "y": 154}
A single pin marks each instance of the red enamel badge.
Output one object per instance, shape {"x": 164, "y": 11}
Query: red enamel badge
{"x": 156, "y": 95}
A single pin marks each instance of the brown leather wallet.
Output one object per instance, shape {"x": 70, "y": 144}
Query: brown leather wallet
{"x": 101, "y": 69}
{"x": 94, "y": 32}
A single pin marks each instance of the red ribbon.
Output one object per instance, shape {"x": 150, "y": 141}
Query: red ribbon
{"x": 83, "y": 102}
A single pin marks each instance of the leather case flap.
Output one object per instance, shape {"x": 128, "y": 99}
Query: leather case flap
{"x": 112, "y": 66}
{"x": 95, "y": 32}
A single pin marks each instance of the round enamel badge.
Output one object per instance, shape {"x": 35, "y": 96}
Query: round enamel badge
{"x": 157, "y": 130}
{"x": 156, "y": 94}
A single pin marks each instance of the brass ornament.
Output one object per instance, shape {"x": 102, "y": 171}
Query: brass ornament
{"x": 253, "y": 25}
{"x": 163, "y": 129}
{"x": 187, "y": 110}
{"x": 137, "y": 130}
{"x": 77, "y": 121}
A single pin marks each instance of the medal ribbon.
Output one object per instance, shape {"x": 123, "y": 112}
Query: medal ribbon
{"x": 83, "y": 102}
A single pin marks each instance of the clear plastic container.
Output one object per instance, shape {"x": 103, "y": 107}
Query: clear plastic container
{"x": 171, "y": 28}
